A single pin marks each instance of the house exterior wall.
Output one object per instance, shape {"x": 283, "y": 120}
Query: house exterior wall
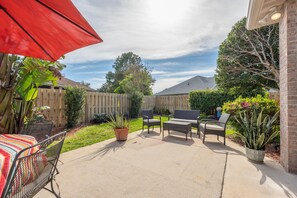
{"x": 288, "y": 86}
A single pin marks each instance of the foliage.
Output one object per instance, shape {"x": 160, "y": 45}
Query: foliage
{"x": 20, "y": 79}
{"x": 74, "y": 102}
{"x": 38, "y": 114}
{"x": 207, "y": 101}
{"x": 161, "y": 111}
{"x": 100, "y": 118}
{"x": 136, "y": 102}
{"x": 130, "y": 74}
{"x": 118, "y": 122}
{"x": 256, "y": 129}
{"x": 248, "y": 60}
{"x": 269, "y": 106}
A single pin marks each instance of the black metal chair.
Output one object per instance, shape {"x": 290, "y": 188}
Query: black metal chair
{"x": 31, "y": 173}
{"x": 215, "y": 127}
{"x": 40, "y": 131}
{"x": 148, "y": 120}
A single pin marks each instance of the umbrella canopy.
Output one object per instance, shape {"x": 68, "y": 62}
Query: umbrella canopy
{"x": 45, "y": 29}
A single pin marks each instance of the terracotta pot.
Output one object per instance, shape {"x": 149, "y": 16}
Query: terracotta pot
{"x": 121, "y": 134}
{"x": 256, "y": 156}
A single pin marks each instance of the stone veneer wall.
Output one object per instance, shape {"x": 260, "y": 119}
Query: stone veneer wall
{"x": 288, "y": 86}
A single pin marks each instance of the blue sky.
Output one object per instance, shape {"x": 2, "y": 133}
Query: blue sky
{"x": 178, "y": 39}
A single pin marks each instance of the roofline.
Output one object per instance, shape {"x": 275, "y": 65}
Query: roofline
{"x": 254, "y": 8}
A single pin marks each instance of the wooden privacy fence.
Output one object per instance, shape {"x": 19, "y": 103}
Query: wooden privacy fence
{"x": 96, "y": 103}
{"x": 166, "y": 102}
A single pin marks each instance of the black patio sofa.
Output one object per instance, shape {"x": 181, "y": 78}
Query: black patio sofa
{"x": 190, "y": 116}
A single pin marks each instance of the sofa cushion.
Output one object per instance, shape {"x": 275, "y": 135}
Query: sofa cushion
{"x": 184, "y": 120}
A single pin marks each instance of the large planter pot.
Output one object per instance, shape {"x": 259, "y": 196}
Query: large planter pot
{"x": 256, "y": 156}
{"x": 121, "y": 134}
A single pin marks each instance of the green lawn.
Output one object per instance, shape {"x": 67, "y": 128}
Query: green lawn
{"x": 97, "y": 133}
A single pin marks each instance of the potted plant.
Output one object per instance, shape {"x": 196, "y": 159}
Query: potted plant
{"x": 120, "y": 126}
{"x": 256, "y": 131}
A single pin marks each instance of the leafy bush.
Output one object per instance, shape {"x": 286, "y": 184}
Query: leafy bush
{"x": 269, "y": 106}
{"x": 161, "y": 111}
{"x": 74, "y": 102}
{"x": 207, "y": 101}
{"x": 100, "y": 118}
{"x": 259, "y": 103}
{"x": 136, "y": 101}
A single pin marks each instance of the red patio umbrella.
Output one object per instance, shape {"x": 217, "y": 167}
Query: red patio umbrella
{"x": 45, "y": 29}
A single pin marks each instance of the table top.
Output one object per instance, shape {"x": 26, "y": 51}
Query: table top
{"x": 10, "y": 145}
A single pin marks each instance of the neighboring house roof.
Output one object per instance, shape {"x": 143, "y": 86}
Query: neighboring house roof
{"x": 195, "y": 83}
{"x": 66, "y": 82}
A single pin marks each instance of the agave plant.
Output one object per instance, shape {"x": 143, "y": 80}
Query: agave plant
{"x": 257, "y": 129}
{"x": 118, "y": 122}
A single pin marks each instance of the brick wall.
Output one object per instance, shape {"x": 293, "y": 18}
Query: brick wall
{"x": 288, "y": 86}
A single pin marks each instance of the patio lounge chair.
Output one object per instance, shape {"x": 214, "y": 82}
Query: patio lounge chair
{"x": 31, "y": 173}
{"x": 215, "y": 127}
{"x": 148, "y": 120}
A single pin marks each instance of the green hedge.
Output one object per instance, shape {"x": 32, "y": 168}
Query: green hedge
{"x": 207, "y": 101}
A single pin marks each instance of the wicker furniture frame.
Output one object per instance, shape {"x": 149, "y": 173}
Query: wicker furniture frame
{"x": 183, "y": 127}
{"x": 16, "y": 185}
{"x": 190, "y": 116}
{"x": 215, "y": 127}
{"x": 149, "y": 121}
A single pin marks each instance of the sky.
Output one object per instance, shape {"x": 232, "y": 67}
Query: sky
{"x": 176, "y": 39}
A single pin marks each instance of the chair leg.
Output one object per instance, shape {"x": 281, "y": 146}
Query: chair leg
{"x": 203, "y": 137}
{"x": 186, "y": 136}
{"x": 148, "y": 129}
{"x": 224, "y": 140}
{"x": 142, "y": 126}
{"x": 217, "y": 137}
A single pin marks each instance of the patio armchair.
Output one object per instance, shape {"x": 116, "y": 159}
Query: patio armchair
{"x": 31, "y": 173}
{"x": 214, "y": 127}
{"x": 148, "y": 120}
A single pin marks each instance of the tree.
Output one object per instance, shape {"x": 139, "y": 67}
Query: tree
{"x": 248, "y": 60}
{"x": 85, "y": 83}
{"x": 130, "y": 74}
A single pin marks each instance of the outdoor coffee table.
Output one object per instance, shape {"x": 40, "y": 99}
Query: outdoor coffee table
{"x": 183, "y": 127}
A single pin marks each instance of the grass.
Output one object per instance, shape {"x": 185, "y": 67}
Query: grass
{"x": 97, "y": 133}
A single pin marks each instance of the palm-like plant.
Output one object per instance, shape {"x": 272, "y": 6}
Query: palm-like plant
{"x": 257, "y": 130}
{"x": 118, "y": 122}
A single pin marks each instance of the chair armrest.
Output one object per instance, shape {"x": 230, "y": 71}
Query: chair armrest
{"x": 208, "y": 119}
{"x": 145, "y": 117}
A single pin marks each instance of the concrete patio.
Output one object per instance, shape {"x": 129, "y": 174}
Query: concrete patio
{"x": 146, "y": 166}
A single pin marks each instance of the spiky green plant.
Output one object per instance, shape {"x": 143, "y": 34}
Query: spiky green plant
{"x": 256, "y": 130}
{"x": 118, "y": 122}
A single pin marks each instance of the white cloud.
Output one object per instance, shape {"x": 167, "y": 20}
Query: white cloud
{"x": 156, "y": 29}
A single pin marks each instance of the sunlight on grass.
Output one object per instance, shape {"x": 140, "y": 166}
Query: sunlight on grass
{"x": 97, "y": 133}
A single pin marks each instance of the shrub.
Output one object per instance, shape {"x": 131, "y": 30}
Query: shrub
{"x": 100, "y": 118}
{"x": 269, "y": 106}
{"x": 161, "y": 111}
{"x": 74, "y": 102}
{"x": 136, "y": 101}
{"x": 207, "y": 101}
{"x": 259, "y": 103}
